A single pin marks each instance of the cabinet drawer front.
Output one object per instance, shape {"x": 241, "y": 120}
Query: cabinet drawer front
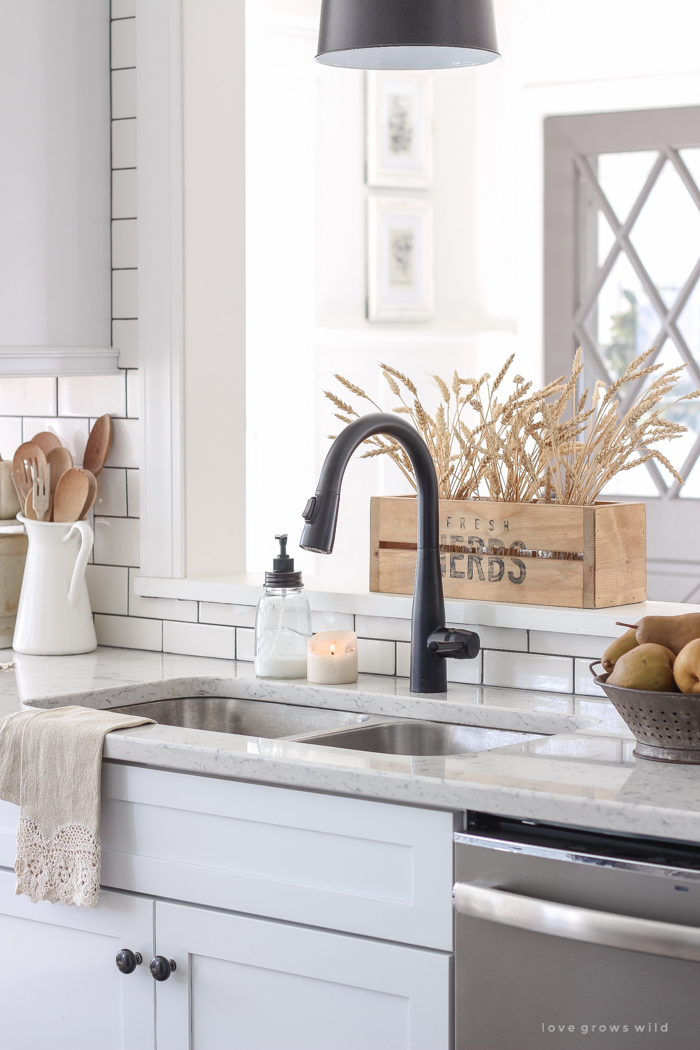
{"x": 345, "y": 864}
{"x": 266, "y": 985}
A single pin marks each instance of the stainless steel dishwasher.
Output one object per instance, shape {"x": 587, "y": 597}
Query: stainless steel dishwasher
{"x": 567, "y": 938}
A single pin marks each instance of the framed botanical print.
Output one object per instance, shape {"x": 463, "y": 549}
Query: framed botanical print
{"x": 399, "y": 129}
{"x": 399, "y": 259}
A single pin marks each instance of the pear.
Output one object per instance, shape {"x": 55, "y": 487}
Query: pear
{"x": 618, "y": 648}
{"x": 672, "y": 631}
{"x": 649, "y": 666}
{"x": 686, "y": 669}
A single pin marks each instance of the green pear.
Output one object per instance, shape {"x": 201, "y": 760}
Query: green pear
{"x": 648, "y": 666}
{"x": 672, "y": 631}
{"x": 686, "y": 669}
{"x": 618, "y": 648}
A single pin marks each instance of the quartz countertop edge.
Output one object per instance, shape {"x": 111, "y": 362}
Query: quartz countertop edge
{"x": 580, "y": 772}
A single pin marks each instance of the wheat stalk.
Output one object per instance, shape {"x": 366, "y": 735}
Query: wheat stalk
{"x": 542, "y": 445}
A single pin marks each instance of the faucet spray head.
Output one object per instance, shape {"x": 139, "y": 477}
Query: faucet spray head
{"x": 321, "y": 517}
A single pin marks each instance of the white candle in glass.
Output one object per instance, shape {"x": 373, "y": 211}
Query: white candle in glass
{"x": 332, "y": 658}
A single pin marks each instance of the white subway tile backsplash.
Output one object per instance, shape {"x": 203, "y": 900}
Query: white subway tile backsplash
{"x": 124, "y": 250}
{"x": 92, "y": 395}
{"x": 375, "y": 656}
{"x": 125, "y": 336}
{"x": 511, "y": 638}
{"x": 125, "y": 443}
{"x": 128, "y": 632}
{"x": 403, "y": 659}
{"x": 123, "y": 50}
{"x": 124, "y": 293}
{"x": 468, "y": 671}
{"x": 117, "y": 541}
{"x": 198, "y": 639}
{"x": 10, "y": 435}
{"x": 124, "y": 143}
{"x": 227, "y": 615}
{"x": 123, "y": 93}
{"x": 388, "y": 627}
{"x": 245, "y": 643}
{"x": 332, "y": 621}
{"x": 108, "y": 587}
{"x": 123, "y": 8}
{"x": 124, "y": 194}
{"x": 583, "y": 679}
{"x": 133, "y": 501}
{"x": 529, "y": 671}
{"x": 568, "y": 644}
{"x": 160, "y": 608}
{"x": 28, "y": 397}
{"x": 73, "y": 433}
{"x": 111, "y": 492}
{"x": 133, "y": 391}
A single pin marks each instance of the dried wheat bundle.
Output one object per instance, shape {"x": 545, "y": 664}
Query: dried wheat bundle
{"x": 545, "y": 445}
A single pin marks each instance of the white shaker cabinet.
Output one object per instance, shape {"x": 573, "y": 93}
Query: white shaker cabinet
{"x": 256, "y": 984}
{"x": 59, "y": 983}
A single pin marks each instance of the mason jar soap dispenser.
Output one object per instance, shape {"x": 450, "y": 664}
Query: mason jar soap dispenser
{"x": 283, "y": 621}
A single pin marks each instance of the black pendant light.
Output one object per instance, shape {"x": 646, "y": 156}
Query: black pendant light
{"x": 407, "y": 34}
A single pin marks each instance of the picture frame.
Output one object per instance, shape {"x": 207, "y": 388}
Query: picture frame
{"x": 399, "y": 259}
{"x": 399, "y": 126}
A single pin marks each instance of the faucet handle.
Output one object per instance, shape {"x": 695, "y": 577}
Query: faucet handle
{"x": 460, "y": 645}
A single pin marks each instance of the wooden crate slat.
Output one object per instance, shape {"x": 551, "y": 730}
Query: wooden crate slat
{"x": 544, "y": 582}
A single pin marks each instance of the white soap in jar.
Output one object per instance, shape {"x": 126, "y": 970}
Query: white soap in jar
{"x": 331, "y": 658}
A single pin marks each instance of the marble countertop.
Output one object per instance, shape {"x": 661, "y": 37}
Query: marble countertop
{"x": 581, "y": 772}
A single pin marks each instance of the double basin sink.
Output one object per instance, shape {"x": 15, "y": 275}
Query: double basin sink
{"x": 311, "y": 725}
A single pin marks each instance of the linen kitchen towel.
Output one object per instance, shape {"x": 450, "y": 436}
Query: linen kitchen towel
{"x": 51, "y": 767}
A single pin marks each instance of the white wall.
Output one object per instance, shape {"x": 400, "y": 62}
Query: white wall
{"x": 54, "y": 173}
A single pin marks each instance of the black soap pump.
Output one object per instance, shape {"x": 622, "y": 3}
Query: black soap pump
{"x": 283, "y": 620}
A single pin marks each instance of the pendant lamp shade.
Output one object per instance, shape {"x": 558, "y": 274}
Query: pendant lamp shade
{"x": 407, "y": 34}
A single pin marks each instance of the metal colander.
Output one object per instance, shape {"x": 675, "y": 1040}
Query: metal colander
{"x": 666, "y": 726}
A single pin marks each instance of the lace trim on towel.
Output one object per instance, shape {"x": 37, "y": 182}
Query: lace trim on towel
{"x": 64, "y": 868}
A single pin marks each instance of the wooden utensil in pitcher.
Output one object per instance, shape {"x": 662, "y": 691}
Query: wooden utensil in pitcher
{"x": 46, "y": 441}
{"x": 41, "y": 491}
{"x": 21, "y": 474}
{"x": 60, "y": 460}
{"x": 98, "y": 445}
{"x": 92, "y": 492}
{"x": 70, "y": 496}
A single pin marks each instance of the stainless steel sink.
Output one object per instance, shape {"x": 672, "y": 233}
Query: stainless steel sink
{"x": 312, "y": 725}
{"x": 221, "y": 714}
{"x": 412, "y": 737}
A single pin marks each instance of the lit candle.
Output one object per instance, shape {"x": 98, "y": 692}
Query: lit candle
{"x": 332, "y": 658}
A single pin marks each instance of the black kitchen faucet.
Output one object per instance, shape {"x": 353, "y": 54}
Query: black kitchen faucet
{"x": 431, "y": 641}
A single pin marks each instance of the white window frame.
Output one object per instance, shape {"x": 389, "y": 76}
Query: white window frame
{"x": 191, "y": 285}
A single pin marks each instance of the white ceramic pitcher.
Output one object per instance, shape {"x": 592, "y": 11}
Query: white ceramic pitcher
{"x": 54, "y": 616}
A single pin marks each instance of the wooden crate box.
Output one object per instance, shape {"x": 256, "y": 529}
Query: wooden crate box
{"x": 529, "y": 553}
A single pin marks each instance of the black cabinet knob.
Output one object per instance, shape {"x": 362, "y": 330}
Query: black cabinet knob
{"x": 161, "y": 968}
{"x": 127, "y": 961}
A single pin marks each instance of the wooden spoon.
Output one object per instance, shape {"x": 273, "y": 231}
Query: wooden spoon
{"x": 92, "y": 493}
{"x": 60, "y": 460}
{"x": 20, "y": 473}
{"x": 98, "y": 445}
{"x": 70, "y": 496}
{"x": 46, "y": 441}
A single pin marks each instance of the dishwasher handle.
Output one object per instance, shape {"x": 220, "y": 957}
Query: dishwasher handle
{"x": 578, "y": 924}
